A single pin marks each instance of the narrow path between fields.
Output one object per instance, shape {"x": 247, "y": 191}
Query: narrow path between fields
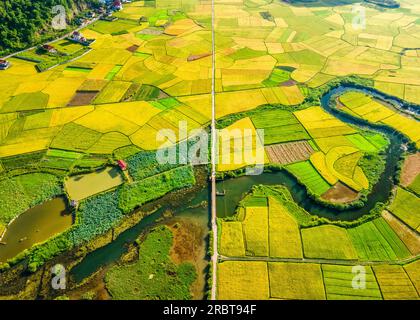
{"x": 215, "y": 255}
{"x": 320, "y": 261}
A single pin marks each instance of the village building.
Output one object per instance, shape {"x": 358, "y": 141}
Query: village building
{"x": 122, "y": 164}
{"x": 49, "y": 48}
{"x": 4, "y": 64}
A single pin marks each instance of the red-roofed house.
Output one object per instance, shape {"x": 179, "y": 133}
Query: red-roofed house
{"x": 123, "y": 165}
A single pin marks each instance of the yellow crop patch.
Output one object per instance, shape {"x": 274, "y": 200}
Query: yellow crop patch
{"x": 240, "y": 146}
{"x": 62, "y": 116}
{"x": 296, "y": 281}
{"x": 242, "y": 280}
{"x": 231, "y": 239}
{"x": 318, "y": 160}
{"x": 182, "y": 26}
{"x": 24, "y": 147}
{"x": 321, "y": 124}
{"x": 284, "y": 235}
{"x": 138, "y": 112}
{"x": 255, "y": 226}
{"x": 103, "y": 121}
{"x": 62, "y": 90}
{"x": 357, "y": 182}
{"x": 233, "y": 102}
{"x": 146, "y": 138}
{"x": 367, "y": 108}
{"x": 100, "y": 71}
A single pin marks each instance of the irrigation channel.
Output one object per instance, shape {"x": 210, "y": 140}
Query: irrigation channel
{"x": 236, "y": 188}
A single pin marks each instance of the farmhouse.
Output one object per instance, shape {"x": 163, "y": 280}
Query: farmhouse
{"x": 78, "y": 37}
{"x": 122, "y": 164}
{"x": 49, "y": 48}
{"x": 4, "y": 64}
{"x": 117, "y": 5}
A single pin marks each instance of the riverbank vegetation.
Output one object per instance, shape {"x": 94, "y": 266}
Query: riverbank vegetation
{"x": 153, "y": 275}
{"x": 17, "y": 194}
{"x": 267, "y": 224}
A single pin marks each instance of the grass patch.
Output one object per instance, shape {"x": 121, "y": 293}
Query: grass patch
{"x": 17, "y": 194}
{"x": 153, "y": 276}
{"x": 141, "y": 192}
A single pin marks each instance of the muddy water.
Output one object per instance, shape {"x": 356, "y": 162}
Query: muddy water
{"x": 83, "y": 186}
{"x": 34, "y": 226}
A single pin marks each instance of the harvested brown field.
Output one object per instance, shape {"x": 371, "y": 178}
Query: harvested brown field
{"x": 410, "y": 169}
{"x": 340, "y": 193}
{"x": 291, "y": 152}
{"x": 288, "y": 83}
{"x": 133, "y": 48}
{"x": 198, "y": 57}
{"x": 83, "y": 98}
{"x": 410, "y": 238}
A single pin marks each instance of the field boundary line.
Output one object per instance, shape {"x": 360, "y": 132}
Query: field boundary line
{"x": 323, "y": 261}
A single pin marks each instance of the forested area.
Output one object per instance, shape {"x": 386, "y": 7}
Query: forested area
{"x": 24, "y": 23}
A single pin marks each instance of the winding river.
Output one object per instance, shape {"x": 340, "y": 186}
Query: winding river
{"x": 236, "y": 188}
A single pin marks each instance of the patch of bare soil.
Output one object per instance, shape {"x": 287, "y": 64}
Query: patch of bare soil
{"x": 82, "y": 98}
{"x": 288, "y": 83}
{"x": 411, "y": 169}
{"x": 189, "y": 246}
{"x": 340, "y": 193}
{"x": 133, "y": 48}
{"x": 290, "y": 152}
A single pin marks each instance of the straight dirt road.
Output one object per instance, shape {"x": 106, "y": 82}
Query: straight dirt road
{"x": 215, "y": 255}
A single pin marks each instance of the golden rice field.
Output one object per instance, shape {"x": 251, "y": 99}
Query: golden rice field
{"x": 312, "y": 281}
{"x": 372, "y": 110}
{"x": 140, "y": 78}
